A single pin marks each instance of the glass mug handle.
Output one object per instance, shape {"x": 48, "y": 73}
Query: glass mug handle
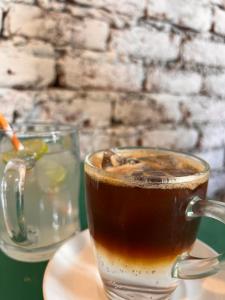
{"x": 13, "y": 181}
{"x": 188, "y": 266}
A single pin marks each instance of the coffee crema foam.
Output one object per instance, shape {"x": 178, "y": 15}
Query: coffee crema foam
{"x": 147, "y": 168}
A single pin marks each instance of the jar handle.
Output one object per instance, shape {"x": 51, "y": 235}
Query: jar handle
{"x": 191, "y": 267}
{"x": 12, "y": 190}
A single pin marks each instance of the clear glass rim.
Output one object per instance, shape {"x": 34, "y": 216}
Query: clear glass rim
{"x": 173, "y": 180}
{"x": 42, "y": 128}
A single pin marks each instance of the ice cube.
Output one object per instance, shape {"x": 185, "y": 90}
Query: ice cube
{"x": 159, "y": 162}
{"x": 148, "y": 175}
{"x": 181, "y": 172}
{"x": 106, "y": 160}
{"x": 132, "y": 161}
{"x": 111, "y": 159}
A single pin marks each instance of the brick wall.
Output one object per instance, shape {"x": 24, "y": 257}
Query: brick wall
{"x": 145, "y": 72}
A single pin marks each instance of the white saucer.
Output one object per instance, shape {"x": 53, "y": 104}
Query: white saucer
{"x": 72, "y": 275}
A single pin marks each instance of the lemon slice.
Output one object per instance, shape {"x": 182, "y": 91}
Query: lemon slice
{"x": 34, "y": 148}
{"x": 55, "y": 172}
{"x": 51, "y": 175}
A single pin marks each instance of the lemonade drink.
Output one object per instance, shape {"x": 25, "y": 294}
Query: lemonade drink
{"x": 48, "y": 214}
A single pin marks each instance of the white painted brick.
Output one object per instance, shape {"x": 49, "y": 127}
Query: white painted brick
{"x": 21, "y": 68}
{"x": 3, "y": 5}
{"x": 19, "y": 101}
{"x": 33, "y": 22}
{"x": 57, "y": 28}
{"x": 179, "y": 138}
{"x": 91, "y": 34}
{"x": 216, "y": 183}
{"x": 213, "y": 136}
{"x": 19, "y": 41}
{"x": 143, "y": 108}
{"x": 92, "y": 141}
{"x": 129, "y": 7}
{"x": 26, "y": 1}
{"x": 173, "y": 81}
{"x": 96, "y": 113}
{"x": 95, "y": 139}
{"x": 55, "y": 94}
{"x": 205, "y": 53}
{"x": 38, "y": 49}
{"x": 33, "y": 47}
{"x": 218, "y": 2}
{"x": 158, "y": 108}
{"x": 100, "y": 71}
{"x": 191, "y": 14}
{"x": 85, "y": 144}
{"x": 24, "y": 19}
{"x": 214, "y": 157}
{"x": 7, "y": 4}
{"x": 84, "y": 11}
{"x": 142, "y": 42}
{"x": 201, "y": 109}
{"x": 1, "y": 14}
{"x": 215, "y": 84}
{"x": 52, "y": 5}
{"x": 219, "y": 21}
{"x": 58, "y": 105}
{"x": 114, "y": 18}
{"x": 123, "y": 136}
{"x": 96, "y": 3}
{"x": 19, "y": 1}
{"x": 161, "y": 108}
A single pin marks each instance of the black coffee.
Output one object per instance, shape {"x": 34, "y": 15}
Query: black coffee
{"x": 137, "y": 202}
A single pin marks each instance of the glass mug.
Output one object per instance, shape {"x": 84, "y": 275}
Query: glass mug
{"x": 143, "y": 208}
{"x": 39, "y": 190}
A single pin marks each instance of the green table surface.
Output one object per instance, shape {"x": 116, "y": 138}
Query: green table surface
{"x": 23, "y": 281}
